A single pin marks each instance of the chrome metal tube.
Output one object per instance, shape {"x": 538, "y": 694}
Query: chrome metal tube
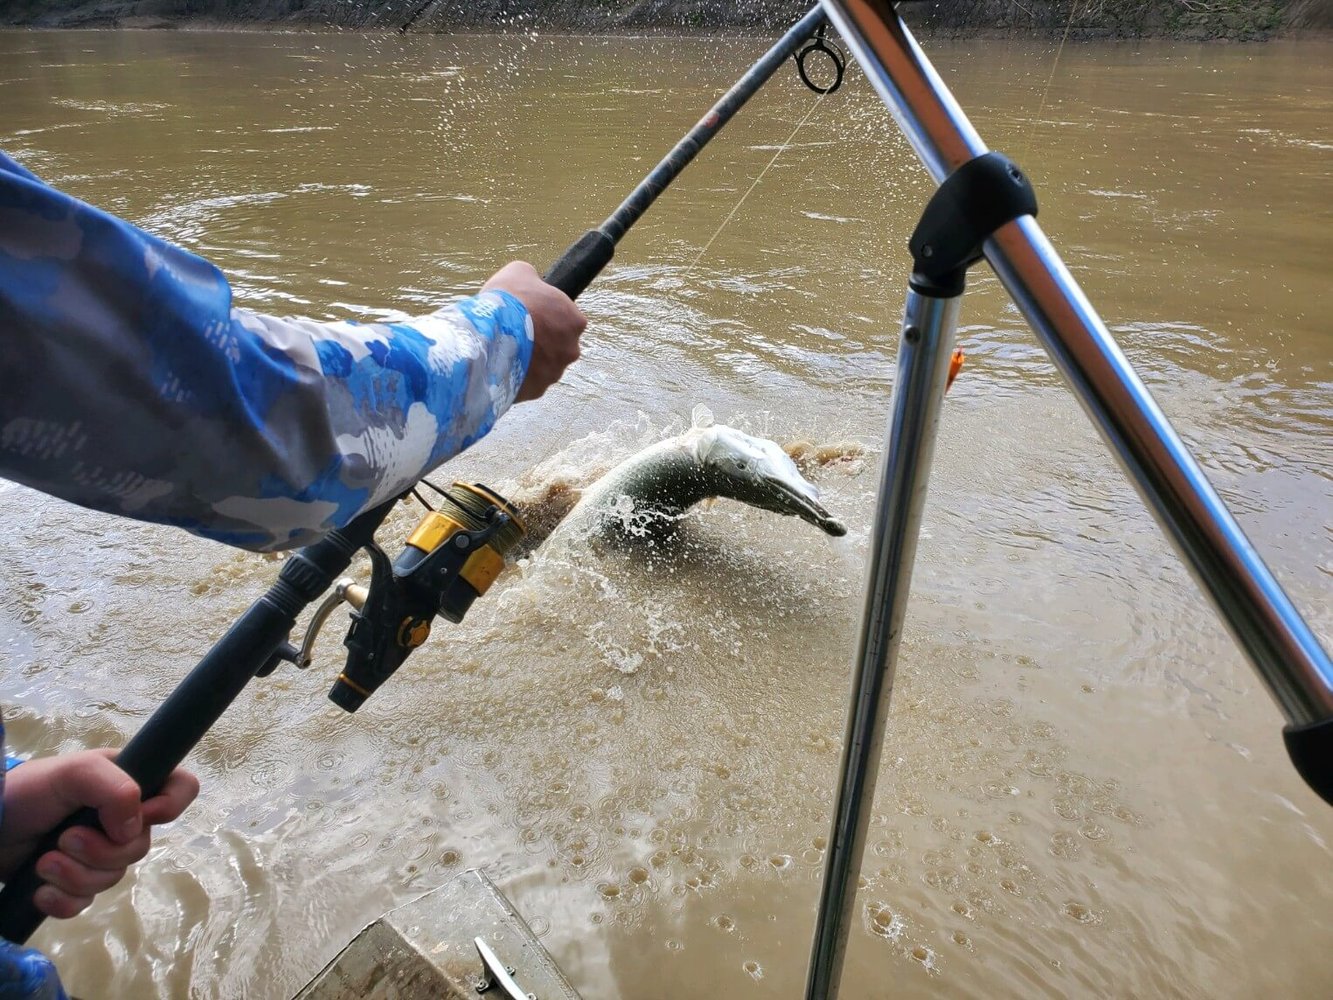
{"x": 1265, "y": 623}
{"x": 1279, "y": 643}
{"x": 923, "y": 367}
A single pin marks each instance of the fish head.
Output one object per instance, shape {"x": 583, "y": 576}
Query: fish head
{"x": 758, "y": 472}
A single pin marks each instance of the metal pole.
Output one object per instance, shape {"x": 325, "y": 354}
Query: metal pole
{"x": 923, "y": 366}
{"x": 1279, "y": 643}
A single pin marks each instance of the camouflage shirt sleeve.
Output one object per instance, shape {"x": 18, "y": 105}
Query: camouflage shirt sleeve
{"x": 129, "y": 383}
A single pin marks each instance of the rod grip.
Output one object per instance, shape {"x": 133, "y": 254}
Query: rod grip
{"x": 582, "y": 262}
{"x": 207, "y": 691}
{"x": 19, "y": 916}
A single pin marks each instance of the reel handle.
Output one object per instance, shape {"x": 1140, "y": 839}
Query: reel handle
{"x": 582, "y": 262}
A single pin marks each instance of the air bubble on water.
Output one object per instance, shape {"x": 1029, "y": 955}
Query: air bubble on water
{"x": 884, "y": 922}
{"x": 925, "y": 956}
{"x": 1081, "y": 912}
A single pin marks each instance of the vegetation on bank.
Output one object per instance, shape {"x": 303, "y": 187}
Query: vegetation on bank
{"x": 1195, "y": 19}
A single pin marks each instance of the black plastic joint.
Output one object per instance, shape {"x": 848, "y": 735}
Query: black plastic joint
{"x": 305, "y": 575}
{"x": 974, "y": 201}
{"x": 1311, "y": 750}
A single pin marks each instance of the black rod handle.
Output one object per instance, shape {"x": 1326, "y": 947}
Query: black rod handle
{"x": 582, "y": 262}
{"x": 181, "y": 721}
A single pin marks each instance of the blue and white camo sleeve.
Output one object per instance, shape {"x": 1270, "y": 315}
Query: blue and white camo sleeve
{"x": 129, "y": 383}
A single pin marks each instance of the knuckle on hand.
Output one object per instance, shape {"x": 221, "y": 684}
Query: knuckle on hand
{"x": 73, "y": 906}
{"x": 59, "y": 905}
{"x": 137, "y": 851}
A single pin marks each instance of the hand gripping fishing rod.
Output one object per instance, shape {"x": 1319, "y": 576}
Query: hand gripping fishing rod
{"x": 449, "y": 560}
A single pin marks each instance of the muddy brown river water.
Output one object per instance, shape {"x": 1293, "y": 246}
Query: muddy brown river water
{"x": 1084, "y": 790}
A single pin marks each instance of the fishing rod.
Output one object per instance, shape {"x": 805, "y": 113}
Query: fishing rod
{"x": 592, "y": 251}
{"x": 448, "y": 561}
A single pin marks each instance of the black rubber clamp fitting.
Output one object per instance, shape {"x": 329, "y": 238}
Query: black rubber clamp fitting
{"x": 974, "y": 201}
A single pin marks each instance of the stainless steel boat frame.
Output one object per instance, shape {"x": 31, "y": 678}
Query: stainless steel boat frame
{"x": 1279, "y": 643}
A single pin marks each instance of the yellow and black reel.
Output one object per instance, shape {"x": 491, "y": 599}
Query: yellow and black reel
{"x": 451, "y": 558}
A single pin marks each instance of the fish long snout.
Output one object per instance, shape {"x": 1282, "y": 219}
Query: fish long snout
{"x": 803, "y": 504}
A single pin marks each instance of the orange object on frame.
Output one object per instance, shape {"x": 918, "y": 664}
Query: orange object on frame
{"x": 955, "y": 366}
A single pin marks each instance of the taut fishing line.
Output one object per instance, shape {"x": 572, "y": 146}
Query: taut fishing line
{"x": 737, "y": 207}
{"x": 1050, "y": 79}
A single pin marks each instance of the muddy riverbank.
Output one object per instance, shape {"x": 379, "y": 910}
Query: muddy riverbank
{"x": 1232, "y": 20}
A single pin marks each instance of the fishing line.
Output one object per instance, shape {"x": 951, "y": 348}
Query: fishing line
{"x": 737, "y": 207}
{"x": 1055, "y": 65}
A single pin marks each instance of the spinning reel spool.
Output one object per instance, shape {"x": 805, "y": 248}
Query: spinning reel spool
{"x": 451, "y": 558}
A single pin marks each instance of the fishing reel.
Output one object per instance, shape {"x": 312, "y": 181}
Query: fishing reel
{"x": 450, "y": 559}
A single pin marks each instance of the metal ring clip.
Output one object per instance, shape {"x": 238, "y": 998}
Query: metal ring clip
{"x": 820, "y": 43}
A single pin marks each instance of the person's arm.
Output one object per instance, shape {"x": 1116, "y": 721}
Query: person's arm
{"x": 130, "y": 384}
